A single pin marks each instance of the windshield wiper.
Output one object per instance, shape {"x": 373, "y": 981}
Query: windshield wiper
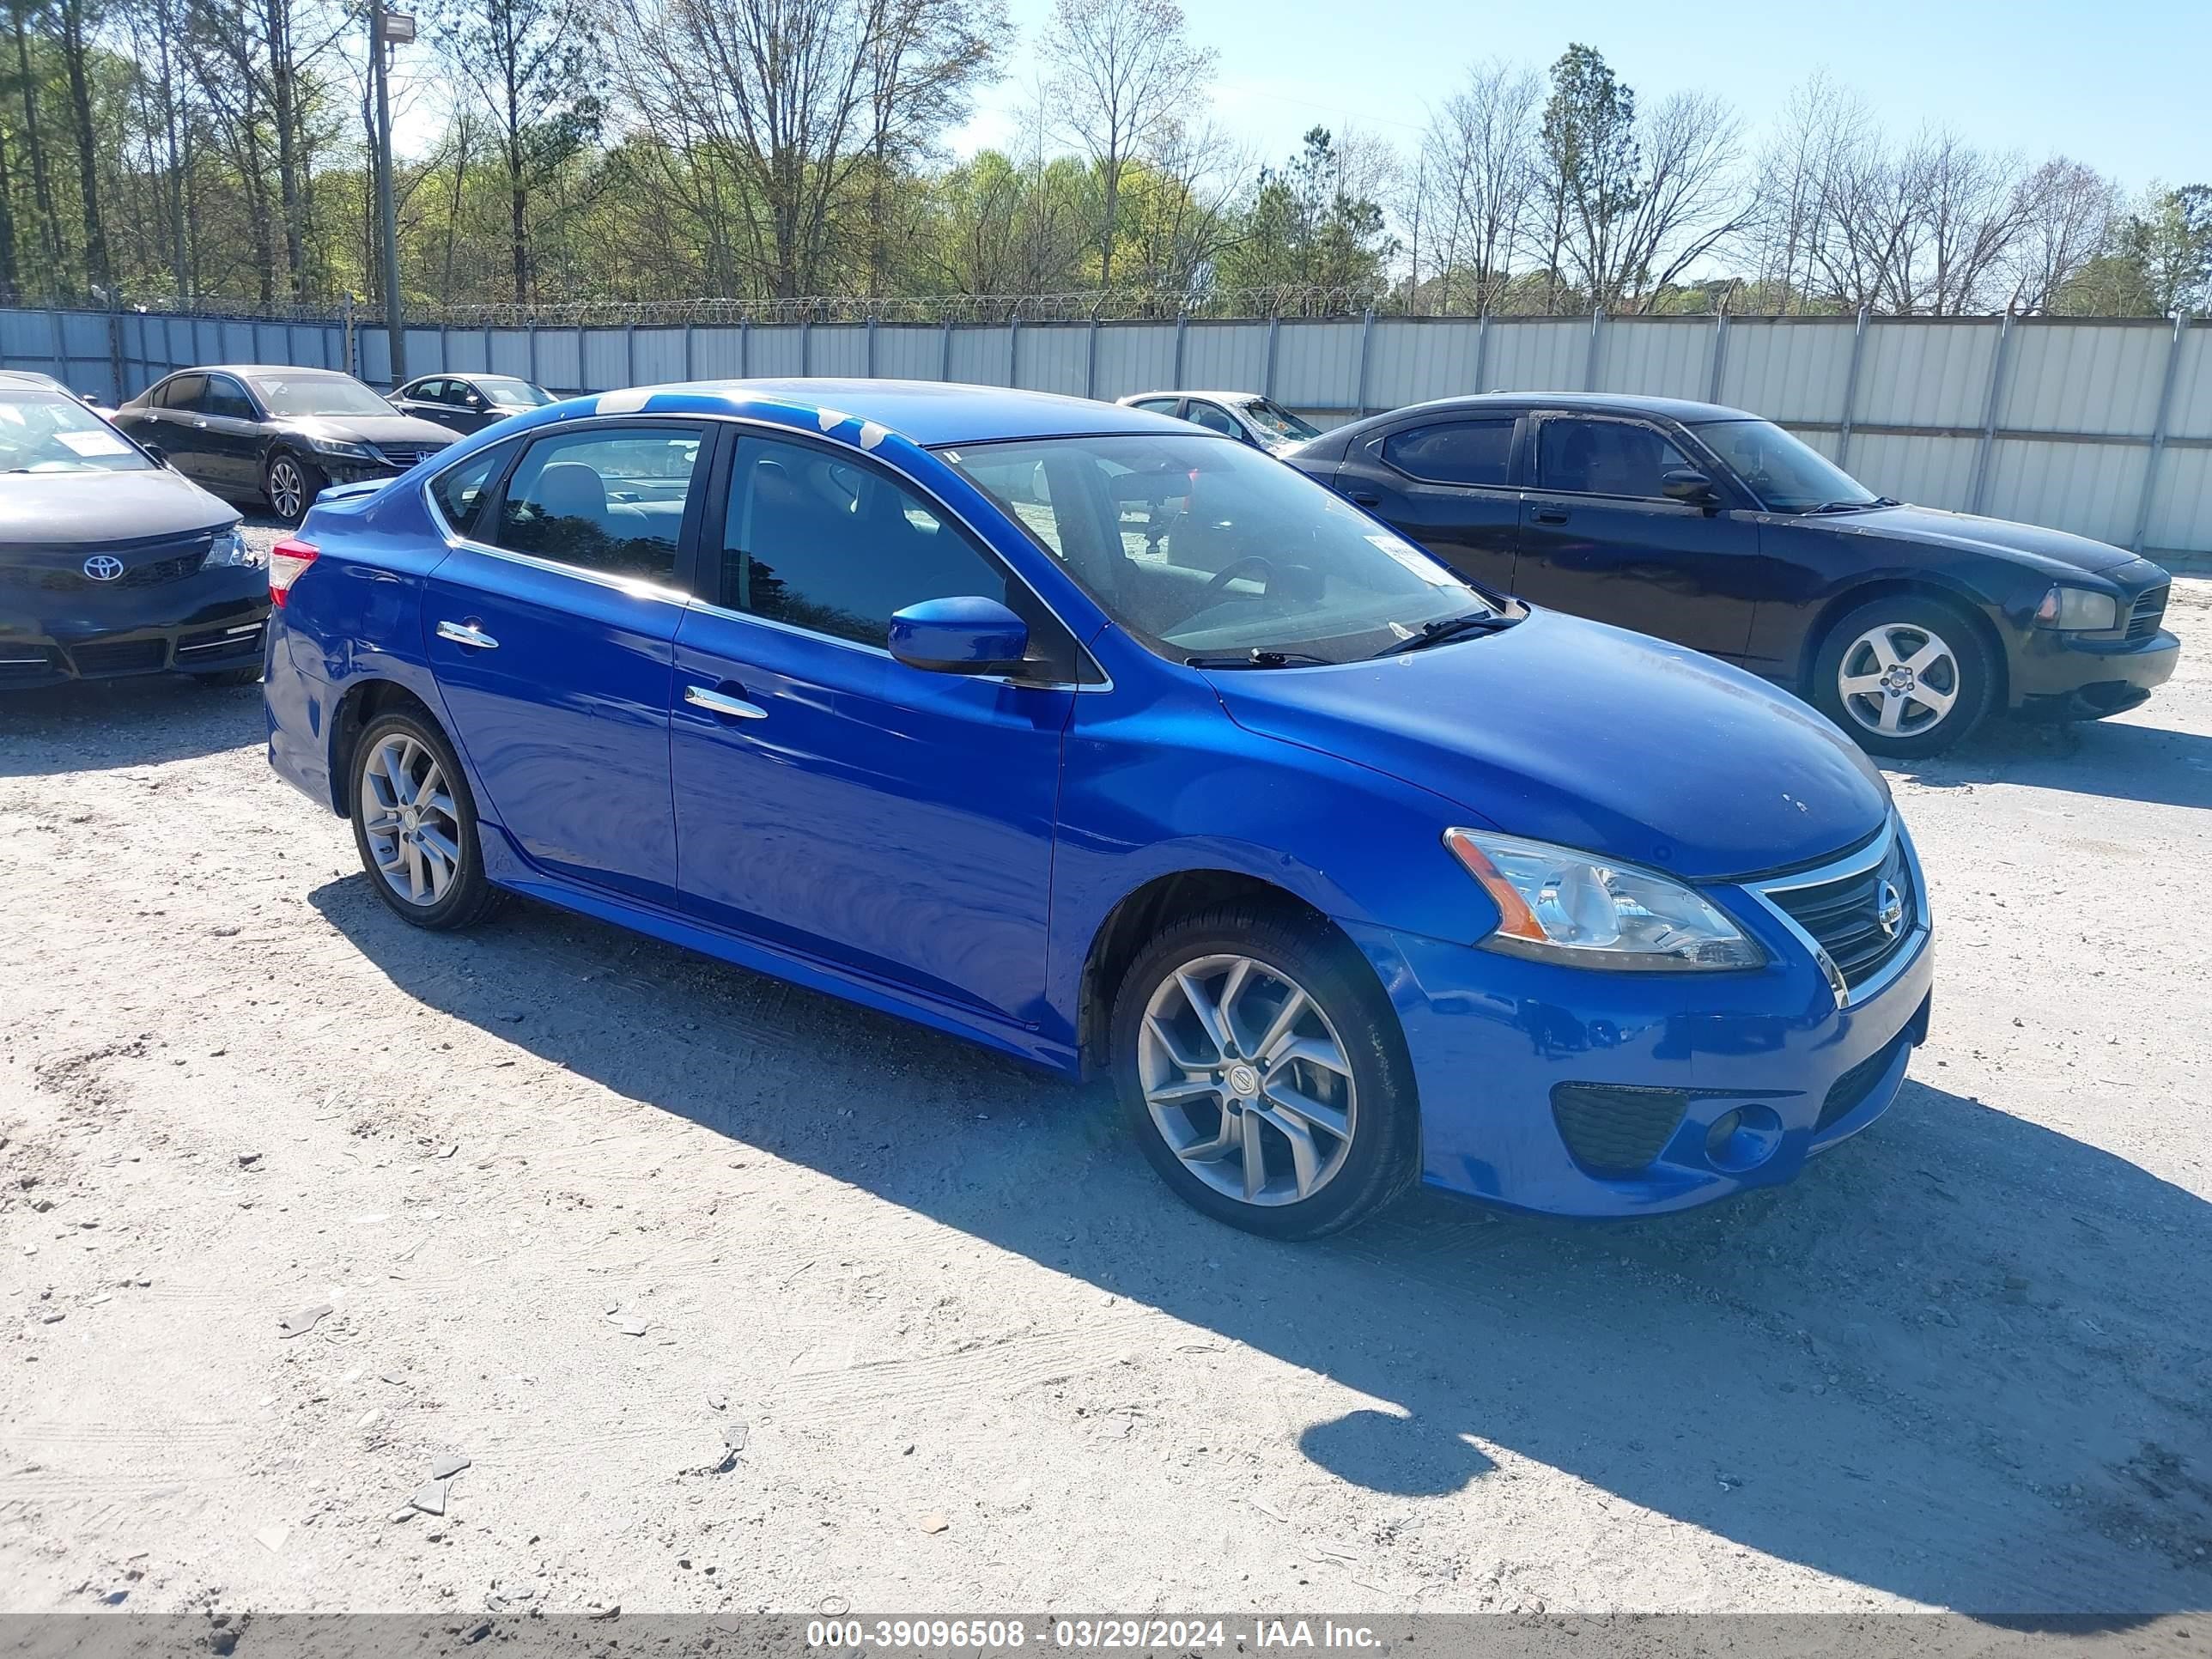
{"x": 1450, "y": 629}
{"x": 1257, "y": 657}
{"x": 1844, "y": 507}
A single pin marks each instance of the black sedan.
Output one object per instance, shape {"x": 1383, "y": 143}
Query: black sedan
{"x": 1716, "y": 529}
{"x": 259, "y": 432}
{"x": 467, "y": 403}
{"x": 110, "y": 563}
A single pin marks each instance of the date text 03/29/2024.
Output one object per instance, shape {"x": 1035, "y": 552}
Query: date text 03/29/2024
{"x": 1096, "y": 1634}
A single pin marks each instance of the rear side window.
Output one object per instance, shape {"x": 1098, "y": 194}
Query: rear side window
{"x": 459, "y": 490}
{"x": 822, "y": 543}
{"x": 1604, "y": 457}
{"x": 605, "y": 499}
{"x": 1453, "y": 453}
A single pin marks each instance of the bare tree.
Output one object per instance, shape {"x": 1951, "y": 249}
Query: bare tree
{"x": 1690, "y": 199}
{"x": 2070, "y": 212}
{"x": 1479, "y": 151}
{"x": 1124, "y": 77}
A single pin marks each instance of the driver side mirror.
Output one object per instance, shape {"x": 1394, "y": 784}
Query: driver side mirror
{"x": 161, "y": 455}
{"x": 1682, "y": 483}
{"x": 969, "y": 636}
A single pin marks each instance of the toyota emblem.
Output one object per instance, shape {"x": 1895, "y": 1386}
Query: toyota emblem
{"x": 103, "y": 567}
{"x": 1889, "y": 909}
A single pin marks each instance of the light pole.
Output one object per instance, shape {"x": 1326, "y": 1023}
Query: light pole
{"x": 387, "y": 29}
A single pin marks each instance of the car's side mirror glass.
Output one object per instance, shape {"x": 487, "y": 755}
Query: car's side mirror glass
{"x": 1684, "y": 483}
{"x": 966, "y": 635}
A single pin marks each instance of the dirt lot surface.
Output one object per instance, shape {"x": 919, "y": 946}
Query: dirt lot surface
{"x": 737, "y": 1297}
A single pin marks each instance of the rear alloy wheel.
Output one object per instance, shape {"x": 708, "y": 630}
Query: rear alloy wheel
{"x": 415, "y": 825}
{"x": 1905, "y": 676}
{"x": 291, "y": 486}
{"x": 1265, "y": 1074}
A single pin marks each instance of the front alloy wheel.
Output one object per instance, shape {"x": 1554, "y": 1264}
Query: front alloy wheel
{"x": 289, "y": 489}
{"x": 1905, "y": 676}
{"x": 1264, "y": 1072}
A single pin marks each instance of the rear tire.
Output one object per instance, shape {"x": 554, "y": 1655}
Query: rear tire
{"x": 415, "y": 825}
{"x": 1306, "y": 1119}
{"x": 291, "y": 486}
{"x": 1905, "y": 676}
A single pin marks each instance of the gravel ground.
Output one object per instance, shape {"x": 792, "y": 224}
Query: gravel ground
{"x": 737, "y": 1297}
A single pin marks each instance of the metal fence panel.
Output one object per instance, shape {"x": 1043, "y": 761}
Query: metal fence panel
{"x": 1789, "y": 369}
{"x": 1939, "y": 471}
{"x": 839, "y": 349}
{"x": 909, "y": 351}
{"x": 2091, "y": 489}
{"x": 1135, "y": 357}
{"x": 1411, "y": 361}
{"x": 2181, "y": 507}
{"x": 1323, "y": 372}
{"x": 2190, "y": 416}
{"x": 1537, "y": 355}
{"x": 980, "y": 356}
{"x": 1926, "y": 374}
{"x": 2083, "y": 377}
{"x": 508, "y": 352}
{"x": 1053, "y": 358}
{"x": 1656, "y": 356}
{"x": 1227, "y": 356}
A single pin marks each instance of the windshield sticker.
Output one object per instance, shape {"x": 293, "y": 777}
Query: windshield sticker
{"x": 93, "y": 443}
{"x": 1415, "y": 561}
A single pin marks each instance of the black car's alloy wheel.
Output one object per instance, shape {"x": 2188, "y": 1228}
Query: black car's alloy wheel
{"x": 1263, "y": 1071}
{"x": 291, "y": 485}
{"x": 415, "y": 825}
{"x": 1905, "y": 676}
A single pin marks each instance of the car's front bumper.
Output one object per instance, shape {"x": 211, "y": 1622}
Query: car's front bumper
{"x": 2057, "y": 676}
{"x": 1493, "y": 1039}
{"x": 201, "y": 624}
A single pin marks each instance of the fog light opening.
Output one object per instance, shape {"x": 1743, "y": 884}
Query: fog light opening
{"x": 1742, "y": 1137}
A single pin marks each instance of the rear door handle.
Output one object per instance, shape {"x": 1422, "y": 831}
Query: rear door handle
{"x": 463, "y": 634}
{"x": 720, "y": 702}
{"x": 1548, "y": 514}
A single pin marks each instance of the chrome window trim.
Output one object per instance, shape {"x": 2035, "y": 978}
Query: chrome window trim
{"x": 1855, "y": 863}
{"x": 636, "y": 587}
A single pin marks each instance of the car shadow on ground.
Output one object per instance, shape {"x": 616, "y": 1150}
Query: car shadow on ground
{"x": 1964, "y": 1359}
{"x": 2120, "y": 760}
{"x": 94, "y": 725}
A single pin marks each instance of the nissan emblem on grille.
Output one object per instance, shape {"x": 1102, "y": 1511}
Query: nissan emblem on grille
{"x": 1889, "y": 910}
{"x": 103, "y": 567}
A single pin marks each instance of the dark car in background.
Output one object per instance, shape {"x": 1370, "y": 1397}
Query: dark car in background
{"x": 468, "y": 402}
{"x": 1718, "y": 530}
{"x": 111, "y": 563}
{"x": 1245, "y": 415}
{"x": 257, "y": 433}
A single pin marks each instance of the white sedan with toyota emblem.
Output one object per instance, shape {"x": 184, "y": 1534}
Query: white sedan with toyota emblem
{"x": 111, "y": 562}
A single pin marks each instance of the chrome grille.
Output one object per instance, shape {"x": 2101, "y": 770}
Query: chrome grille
{"x": 407, "y": 454}
{"x": 1840, "y": 907}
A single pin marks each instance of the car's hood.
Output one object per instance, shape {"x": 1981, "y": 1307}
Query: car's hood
{"x": 393, "y": 429}
{"x": 67, "y": 509}
{"x": 1968, "y": 531}
{"x": 1571, "y": 732}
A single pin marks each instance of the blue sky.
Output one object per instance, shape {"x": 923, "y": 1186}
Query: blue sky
{"x": 2125, "y": 85}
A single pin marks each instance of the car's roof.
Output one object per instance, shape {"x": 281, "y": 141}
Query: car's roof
{"x": 28, "y": 377}
{"x": 1603, "y": 403}
{"x": 261, "y": 369}
{"x": 927, "y": 412}
{"x": 1199, "y": 392}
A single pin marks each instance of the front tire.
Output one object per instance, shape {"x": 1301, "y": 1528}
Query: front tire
{"x": 1265, "y": 1073}
{"x": 415, "y": 825}
{"x": 290, "y": 485}
{"x": 1905, "y": 676}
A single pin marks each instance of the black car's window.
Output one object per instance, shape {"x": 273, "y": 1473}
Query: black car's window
{"x": 1786, "y": 473}
{"x": 1455, "y": 452}
{"x": 1604, "y": 457}
{"x": 609, "y": 499}
{"x": 459, "y": 490}
{"x": 184, "y": 391}
{"x": 824, "y": 544}
{"x": 509, "y": 393}
{"x": 1213, "y": 419}
{"x": 226, "y": 399}
{"x": 428, "y": 391}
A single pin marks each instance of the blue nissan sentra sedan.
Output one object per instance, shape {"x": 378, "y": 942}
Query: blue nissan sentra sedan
{"x": 1117, "y": 745}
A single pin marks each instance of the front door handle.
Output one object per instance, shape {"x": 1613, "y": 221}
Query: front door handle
{"x": 201, "y": 424}
{"x": 1363, "y": 498}
{"x": 1548, "y": 514}
{"x": 720, "y": 702}
{"x": 464, "y": 633}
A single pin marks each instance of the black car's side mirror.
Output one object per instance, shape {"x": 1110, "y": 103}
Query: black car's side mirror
{"x": 1684, "y": 483}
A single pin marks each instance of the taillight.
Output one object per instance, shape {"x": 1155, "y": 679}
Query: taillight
{"x": 286, "y": 561}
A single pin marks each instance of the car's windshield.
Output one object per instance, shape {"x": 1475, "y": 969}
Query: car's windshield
{"x": 1787, "y": 474}
{"x": 318, "y": 394}
{"x": 47, "y": 432}
{"x": 1206, "y": 548}
{"x": 510, "y": 393}
{"x": 1274, "y": 417}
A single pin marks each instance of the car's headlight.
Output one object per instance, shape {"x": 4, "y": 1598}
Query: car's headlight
{"x": 229, "y": 547}
{"x": 340, "y": 447}
{"x": 2077, "y": 608}
{"x": 1559, "y": 905}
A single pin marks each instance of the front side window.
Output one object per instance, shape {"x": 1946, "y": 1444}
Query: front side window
{"x": 1208, "y": 549}
{"x": 317, "y": 391}
{"x": 822, "y": 544}
{"x": 1787, "y": 474}
{"x": 50, "y": 432}
{"x": 226, "y": 399}
{"x": 1604, "y": 457}
{"x": 610, "y": 499}
{"x": 459, "y": 490}
{"x": 1478, "y": 452}
{"x": 1213, "y": 419}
